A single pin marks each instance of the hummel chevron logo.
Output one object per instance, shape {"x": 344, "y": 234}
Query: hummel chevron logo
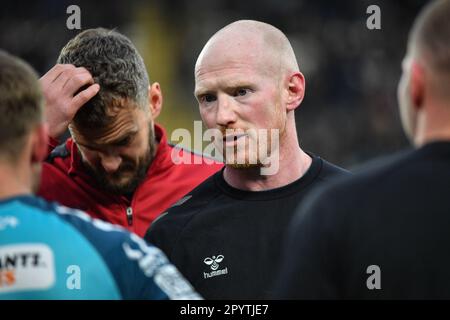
{"x": 213, "y": 262}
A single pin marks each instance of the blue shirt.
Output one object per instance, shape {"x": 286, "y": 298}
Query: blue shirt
{"x": 49, "y": 251}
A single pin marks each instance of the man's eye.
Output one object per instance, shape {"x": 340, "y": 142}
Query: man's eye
{"x": 241, "y": 92}
{"x": 123, "y": 142}
{"x": 207, "y": 98}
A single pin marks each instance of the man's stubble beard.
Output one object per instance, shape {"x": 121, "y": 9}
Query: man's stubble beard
{"x": 259, "y": 162}
{"x": 139, "y": 175}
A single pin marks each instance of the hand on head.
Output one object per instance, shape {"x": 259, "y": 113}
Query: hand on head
{"x": 66, "y": 89}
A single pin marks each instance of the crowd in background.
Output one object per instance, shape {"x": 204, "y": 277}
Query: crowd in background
{"x": 350, "y": 111}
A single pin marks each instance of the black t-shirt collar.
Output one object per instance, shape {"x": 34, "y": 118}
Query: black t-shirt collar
{"x": 284, "y": 191}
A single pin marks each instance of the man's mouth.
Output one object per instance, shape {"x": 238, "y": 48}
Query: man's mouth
{"x": 231, "y": 139}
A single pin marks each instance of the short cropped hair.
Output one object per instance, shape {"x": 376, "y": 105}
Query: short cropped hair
{"x": 116, "y": 66}
{"x": 21, "y": 104}
{"x": 431, "y": 35}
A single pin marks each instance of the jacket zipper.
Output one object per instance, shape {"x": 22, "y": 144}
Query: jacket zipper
{"x": 130, "y": 216}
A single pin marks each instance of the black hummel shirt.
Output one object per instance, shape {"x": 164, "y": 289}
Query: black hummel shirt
{"x": 227, "y": 242}
{"x": 380, "y": 234}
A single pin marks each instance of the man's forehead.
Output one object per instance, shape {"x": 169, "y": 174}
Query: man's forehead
{"x": 214, "y": 56}
{"x": 125, "y": 123}
{"x": 233, "y": 78}
{"x": 224, "y": 68}
{"x": 231, "y": 74}
{"x": 237, "y": 57}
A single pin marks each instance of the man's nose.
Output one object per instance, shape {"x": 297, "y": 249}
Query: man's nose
{"x": 110, "y": 162}
{"x": 225, "y": 112}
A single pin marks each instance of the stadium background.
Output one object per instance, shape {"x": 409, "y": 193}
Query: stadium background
{"x": 350, "y": 111}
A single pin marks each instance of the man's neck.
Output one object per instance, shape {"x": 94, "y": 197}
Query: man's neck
{"x": 293, "y": 164}
{"x": 12, "y": 183}
{"x": 433, "y": 126}
{"x": 433, "y": 136}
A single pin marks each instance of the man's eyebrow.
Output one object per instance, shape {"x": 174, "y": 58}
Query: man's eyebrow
{"x": 231, "y": 85}
{"x": 201, "y": 91}
{"x": 238, "y": 84}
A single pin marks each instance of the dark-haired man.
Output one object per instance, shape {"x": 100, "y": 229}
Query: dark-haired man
{"x": 48, "y": 251}
{"x": 117, "y": 165}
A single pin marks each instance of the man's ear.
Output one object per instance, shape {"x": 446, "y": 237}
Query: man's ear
{"x": 39, "y": 143}
{"x": 296, "y": 90}
{"x": 155, "y": 99}
{"x": 417, "y": 85}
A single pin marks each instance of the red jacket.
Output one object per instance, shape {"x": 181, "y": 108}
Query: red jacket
{"x": 64, "y": 180}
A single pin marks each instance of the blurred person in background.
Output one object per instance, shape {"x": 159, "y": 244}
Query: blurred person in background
{"x": 384, "y": 233}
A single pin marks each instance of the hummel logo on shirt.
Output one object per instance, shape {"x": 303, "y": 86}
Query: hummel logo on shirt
{"x": 213, "y": 262}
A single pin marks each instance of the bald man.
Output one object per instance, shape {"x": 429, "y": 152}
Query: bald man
{"x": 384, "y": 234}
{"x": 225, "y": 235}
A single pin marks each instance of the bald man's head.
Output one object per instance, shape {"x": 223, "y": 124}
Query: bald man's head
{"x": 248, "y": 40}
{"x": 424, "y": 90}
{"x": 429, "y": 43}
{"x": 430, "y": 35}
{"x": 247, "y": 79}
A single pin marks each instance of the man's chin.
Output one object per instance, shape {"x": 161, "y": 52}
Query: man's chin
{"x": 242, "y": 166}
{"x": 123, "y": 182}
{"x": 122, "y": 185}
{"x": 242, "y": 162}
{"x": 120, "y": 188}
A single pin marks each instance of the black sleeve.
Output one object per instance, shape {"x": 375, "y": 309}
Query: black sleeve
{"x": 310, "y": 268}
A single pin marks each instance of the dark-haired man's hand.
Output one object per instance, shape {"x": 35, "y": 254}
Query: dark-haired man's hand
{"x": 61, "y": 86}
